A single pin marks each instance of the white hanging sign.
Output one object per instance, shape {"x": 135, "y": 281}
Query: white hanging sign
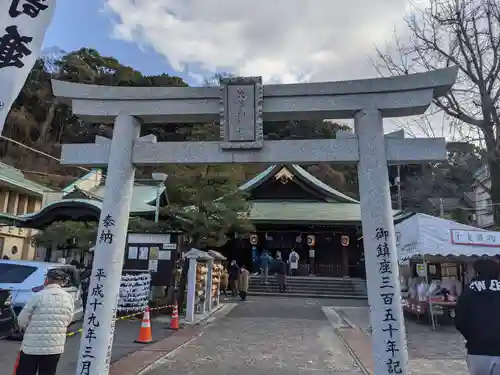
{"x": 23, "y": 24}
{"x": 475, "y": 238}
{"x": 171, "y": 246}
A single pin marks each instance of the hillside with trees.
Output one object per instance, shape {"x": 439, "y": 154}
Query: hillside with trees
{"x": 41, "y": 121}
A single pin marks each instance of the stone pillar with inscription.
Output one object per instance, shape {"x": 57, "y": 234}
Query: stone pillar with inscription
{"x": 99, "y": 322}
{"x": 384, "y": 294}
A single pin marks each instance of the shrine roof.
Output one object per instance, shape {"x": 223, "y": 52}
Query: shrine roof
{"x": 303, "y": 175}
{"x": 308, "y": 212}
{"x": 15, "y": 178}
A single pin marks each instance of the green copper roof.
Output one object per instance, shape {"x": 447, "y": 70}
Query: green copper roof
{"x": 308, "y": 212}
{"x": 13, "y": 176}
{"x": 302, "y": 174}
{"x": 291, "y": 212}
{"x": 143, "y": 197}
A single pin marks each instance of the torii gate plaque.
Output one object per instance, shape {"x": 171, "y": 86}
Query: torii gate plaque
{"x": 241, "y": 105}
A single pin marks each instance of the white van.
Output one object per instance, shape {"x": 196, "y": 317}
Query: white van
{"x": 24, "y": 278}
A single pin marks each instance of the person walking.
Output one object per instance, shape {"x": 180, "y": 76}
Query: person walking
{"x": 243, "y": 282}
{"x": 85, "y": 275}
{"x": 234, "y": 274}
{"x": 476, "y": 318}
{"x": 44, "y": 320}
{"x": 278, "y": 254}
{"x": 224, "y": 282}
{"x": 293, "y": 259}
{"x": 265, "y": 261}
{"x": 281, "y": 271}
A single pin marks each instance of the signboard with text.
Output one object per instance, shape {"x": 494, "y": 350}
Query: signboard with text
{"x": 475, "y": 238}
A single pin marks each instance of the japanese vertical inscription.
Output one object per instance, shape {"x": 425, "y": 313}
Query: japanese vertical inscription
{"x": 390, "y": 325}
{"x": 241, "y": 113}
{"x": 92, "y": 323}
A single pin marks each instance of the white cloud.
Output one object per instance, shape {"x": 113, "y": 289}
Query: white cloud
{"x": 281, "y": 40}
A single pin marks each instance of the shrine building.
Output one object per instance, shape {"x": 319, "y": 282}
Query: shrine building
{"x": 291, "y": 209}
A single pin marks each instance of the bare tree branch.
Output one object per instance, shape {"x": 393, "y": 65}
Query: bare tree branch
{"x": 464, "y": 33}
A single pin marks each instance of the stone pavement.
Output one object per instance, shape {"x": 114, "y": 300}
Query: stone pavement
{"x": 431, "y": 352}
{"x": 264, "y": 336}
{"x": 125, "y": 334}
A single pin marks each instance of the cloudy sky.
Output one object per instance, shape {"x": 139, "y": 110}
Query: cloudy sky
{"x": 281, "y": 40}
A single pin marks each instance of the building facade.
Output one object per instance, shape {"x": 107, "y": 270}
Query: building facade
{"x": 18, "y": 196}
{"x": 291, "y": 209}
{"x": 79, "y": 201}
{"x": 483, "y": 205}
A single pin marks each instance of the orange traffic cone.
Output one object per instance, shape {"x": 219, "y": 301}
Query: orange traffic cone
{"x": 145, "y": 336}
{"x": 16, "y": 364}
{"x": 174, "y": 322}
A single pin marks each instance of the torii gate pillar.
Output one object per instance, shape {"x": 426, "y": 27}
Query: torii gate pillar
{"x": 379, "y": 242}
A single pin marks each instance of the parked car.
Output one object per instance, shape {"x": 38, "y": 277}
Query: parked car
{"x": 7, "y": 316}
{"x": 24, "y": 278}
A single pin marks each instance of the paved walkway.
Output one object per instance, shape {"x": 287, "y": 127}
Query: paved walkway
{"x": 265, "y": 336}
{"x": 125, "y": 334}
{"x": 437, "y": 352}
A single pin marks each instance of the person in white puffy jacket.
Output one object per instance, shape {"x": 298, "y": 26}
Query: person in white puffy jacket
{"x": 44, "y": 320}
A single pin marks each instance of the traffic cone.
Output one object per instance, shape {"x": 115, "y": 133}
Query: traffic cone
{"x": 16, "y": 364}
{"x": 145, "y": 336}
{"x": 174, "y": 322}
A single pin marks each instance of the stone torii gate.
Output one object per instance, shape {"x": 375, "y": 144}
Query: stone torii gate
{"x": 242, "y": 105}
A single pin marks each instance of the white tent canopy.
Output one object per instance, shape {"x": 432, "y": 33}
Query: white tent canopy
{"x": 422, "y": 234}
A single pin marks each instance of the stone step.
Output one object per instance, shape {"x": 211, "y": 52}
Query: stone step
{"x": 308, "y": 292}
{"x": 291, "y": 281}
{"x": 306, "y": 289}
{"x": 313, "y": 279}
{"x": 307, "y": 295}
{"x": 314, "y": 287}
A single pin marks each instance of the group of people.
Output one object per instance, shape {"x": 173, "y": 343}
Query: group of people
{"x": 237, "y": 279}
{"x": 281, "y": 265}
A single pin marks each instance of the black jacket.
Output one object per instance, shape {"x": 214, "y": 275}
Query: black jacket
{"x": 281, "y": 268}
{"x": 234, "y": 272}
{"x": 477, "y": 314}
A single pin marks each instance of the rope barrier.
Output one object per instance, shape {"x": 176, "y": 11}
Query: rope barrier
{"x": 74, "y": 333}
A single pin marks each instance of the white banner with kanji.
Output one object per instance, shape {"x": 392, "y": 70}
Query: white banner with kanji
{"x": 23, "y": 24}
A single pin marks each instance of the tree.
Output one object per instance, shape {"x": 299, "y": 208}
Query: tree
{"x": 448, "y": 179}
{"x": 209, "y": 200}
{"x": 464, "y": 33}
{"x": 39, "y": 120}
{"x": 82, "y": 235}
{"x": 67, "y": 235}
